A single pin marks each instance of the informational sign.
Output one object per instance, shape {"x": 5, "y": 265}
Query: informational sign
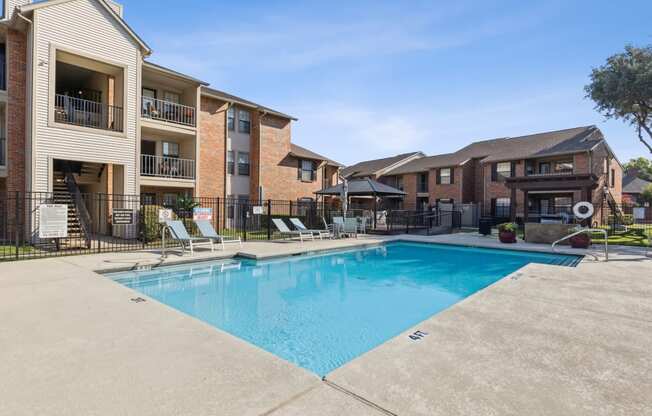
{"x": 123, "y": 216}
{"x": 53, "y": 221}
{"x": 258, "y": 210}
{"x": 639, "y": 213}
{"x": 164, "y": 215}
{"x": 202, "y": 214}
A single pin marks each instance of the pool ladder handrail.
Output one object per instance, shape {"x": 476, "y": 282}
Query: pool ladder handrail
{"x": 587, "y": 230}
{"x": 164, "y": 229}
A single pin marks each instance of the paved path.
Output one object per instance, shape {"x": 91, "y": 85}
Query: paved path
{"x": 545, "y": 341}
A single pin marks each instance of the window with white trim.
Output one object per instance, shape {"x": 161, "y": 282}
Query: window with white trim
{"x": 504, "y": 169}
{"x": 230, "y": 118}
{"x": 308, "y": 171}
{"x": 244, "y": 121}
{"x": 230, "y": 162}
{"x": 445, "y": 176}
{"x": 243, "y": 163}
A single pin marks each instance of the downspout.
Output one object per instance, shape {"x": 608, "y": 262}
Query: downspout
{"x": 229, "y": 104}
{"x": 260, "y": 153}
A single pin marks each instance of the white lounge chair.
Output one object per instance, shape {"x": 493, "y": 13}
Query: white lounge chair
{"x": 280, "y": 225}
{"x": 179, "y": 233}
{"x": 299, "y": 226}
{"x": 207, "y": 231}
{"x": 350, "y": 227}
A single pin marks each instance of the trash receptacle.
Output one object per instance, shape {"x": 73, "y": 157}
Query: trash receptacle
{"x": 485, "y": 225}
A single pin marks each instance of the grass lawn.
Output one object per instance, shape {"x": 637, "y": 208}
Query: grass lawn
{"x": 9, "y": 252}
{"x": 632, "y": 237}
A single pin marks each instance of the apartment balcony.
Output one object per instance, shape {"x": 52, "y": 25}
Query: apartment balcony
{"x": 87, "y": 113}
{"x": 566, "y": 172}
{"x": 167, "y": 167}
{"x": 168, "y": 112}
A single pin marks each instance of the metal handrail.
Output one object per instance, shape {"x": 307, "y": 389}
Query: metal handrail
{"x": 587, "y": 230}
{"x": 168, "y": 111}
{"x": 83, "y": 215}
{"x": 87, "y": 113}
{"x": 165, "y": 228}
{"x": 167, "y": 167}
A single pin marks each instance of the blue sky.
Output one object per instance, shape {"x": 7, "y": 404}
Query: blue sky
{"x": 370, "y": 79}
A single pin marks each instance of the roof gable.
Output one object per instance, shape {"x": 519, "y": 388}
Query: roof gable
{"x": 371, "y": 167}
{"x": 121, "y": 22}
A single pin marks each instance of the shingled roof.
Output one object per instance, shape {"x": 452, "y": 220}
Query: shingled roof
{"x": 371, "y": 167}
{"x": 303, "y": 153}
{"x": 632, "y": 184}
{"x": 550, "y": 143}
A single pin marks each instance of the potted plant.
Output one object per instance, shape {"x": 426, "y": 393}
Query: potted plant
{"x": 507, "y": 233}
{"x": 582, "y": 240}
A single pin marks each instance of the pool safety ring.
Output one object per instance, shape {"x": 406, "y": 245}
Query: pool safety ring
{"x": 583, "y": 210}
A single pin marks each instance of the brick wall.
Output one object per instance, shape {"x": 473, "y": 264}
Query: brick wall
{"x": 445, "y": 191}
{"x": 254, "y": 154}
{"x": 212, "y": 151}
{"x": 270, "y": 148}
{"x": 499, "y": 190}
{"x": 16, "y": 110}
{"x": 410, "y": 188}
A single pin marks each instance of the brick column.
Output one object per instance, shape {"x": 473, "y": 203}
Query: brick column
{"x": 16, "y": 119}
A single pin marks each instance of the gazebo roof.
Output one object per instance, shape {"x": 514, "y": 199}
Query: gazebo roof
{"x": 363, "y": 187}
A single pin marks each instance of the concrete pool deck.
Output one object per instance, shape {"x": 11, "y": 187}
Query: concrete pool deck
{"x": 544, "y": 340}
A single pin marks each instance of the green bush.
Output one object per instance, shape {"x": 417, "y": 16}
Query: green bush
{"x": 624, "y": 219}
{"x": 151, "y": 229}
{"x": 507, "y": 227}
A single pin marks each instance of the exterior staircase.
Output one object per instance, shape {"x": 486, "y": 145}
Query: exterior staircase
{"x": 77, "y": 236}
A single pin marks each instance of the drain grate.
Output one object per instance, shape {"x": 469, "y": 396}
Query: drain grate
{"x": 138, "y": 300}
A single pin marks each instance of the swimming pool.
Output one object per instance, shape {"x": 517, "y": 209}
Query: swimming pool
{"x": 321, "y": 311}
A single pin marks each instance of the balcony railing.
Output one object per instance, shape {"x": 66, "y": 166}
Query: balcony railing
{"x": 554, "y": 173}
{"x": 167, "y": 167}
{"x": 3, "y": 151}
{"x": 168, "y": 111}
{"x": 85, "y": 113}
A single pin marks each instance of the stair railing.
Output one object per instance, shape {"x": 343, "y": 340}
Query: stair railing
{"x": 82, "y": 212}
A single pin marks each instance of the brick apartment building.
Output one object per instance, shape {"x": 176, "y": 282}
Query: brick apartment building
{"x": 79, "y": 100}
{"x": 551, "y": 171}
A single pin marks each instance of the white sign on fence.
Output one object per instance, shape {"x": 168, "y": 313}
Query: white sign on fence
{"x": 53, "y": 221}
{"x": 258, "y": 210}
{"x": 164, "y": 215}
{"x": 639, "y": 213}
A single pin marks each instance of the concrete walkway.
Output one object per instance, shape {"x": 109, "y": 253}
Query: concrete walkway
{"x": 546, "y": 340}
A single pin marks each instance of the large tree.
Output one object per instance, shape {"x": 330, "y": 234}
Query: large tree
{"x": 622, "y": 89}
{"x": 643, "y": 165}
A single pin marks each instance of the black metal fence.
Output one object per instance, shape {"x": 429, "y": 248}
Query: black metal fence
{"x": 31, "y": 223}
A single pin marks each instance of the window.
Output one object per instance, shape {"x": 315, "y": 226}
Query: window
{"x": 503, "y": 170}
{"x": 612, "y": 178}
{"x": 230, "y": 163}
{"x": 148, "y": 198}
{"x": 502, "y": 207}
{"x": 445, "y": 176}
{"x": 243, "y": 163}
{"x": 169, "y": 199}
{"x": 563, "y": 204}
{"x": 171, "y": 149}
{"x": 172, "y": 97}
{"x": 230, "y": 118}
{"x": 149, "y": 101}
{"x": 544, "y": 168}
{"x": 565, "y": 166}
{"x": 244, "y": 121}
{"x": 307, "y": 170}
{"x": 422, "y": 182}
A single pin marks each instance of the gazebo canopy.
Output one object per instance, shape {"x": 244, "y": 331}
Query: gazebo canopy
{"x": 360, "y": 187}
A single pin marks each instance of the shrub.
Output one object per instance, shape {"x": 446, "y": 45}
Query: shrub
{"x": 507, "y": 227}
{"x": 151, "y": 229}
{"x": 624, "y": 219}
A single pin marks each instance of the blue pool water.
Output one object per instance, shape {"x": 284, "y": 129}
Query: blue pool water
{"x": 321, "y": 311}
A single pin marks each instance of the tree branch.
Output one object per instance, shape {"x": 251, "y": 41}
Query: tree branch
{"x": 640, "y": 136}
